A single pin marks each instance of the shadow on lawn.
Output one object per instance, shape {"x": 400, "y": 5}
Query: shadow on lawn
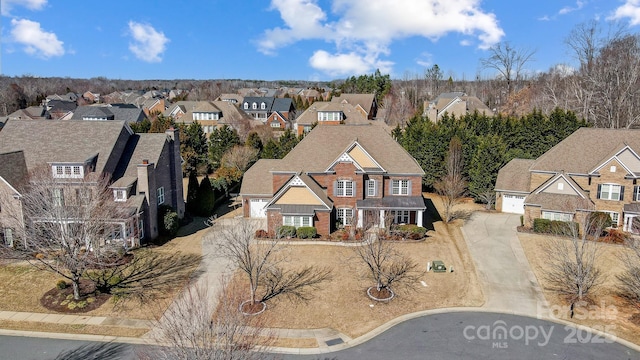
{"x": 431, "y": 215}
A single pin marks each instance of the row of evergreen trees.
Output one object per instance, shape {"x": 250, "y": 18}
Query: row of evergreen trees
{"x": 488, "y": 143}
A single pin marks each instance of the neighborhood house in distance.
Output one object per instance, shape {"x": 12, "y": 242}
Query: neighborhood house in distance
{"x": 591, "y": 170}
{"x": 144, "y": 169}
{"x": 337, "y": 175}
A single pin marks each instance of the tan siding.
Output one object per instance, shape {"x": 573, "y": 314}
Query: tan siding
{"x": 560, "y": 186}
{"x": 361, "y": 158}
{"x": 298, "y": 195}
{"x": 630, "y": 160}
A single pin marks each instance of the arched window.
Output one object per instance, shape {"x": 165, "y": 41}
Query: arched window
{"x": 246, "y": 105}
{"x": 263, "y": 106}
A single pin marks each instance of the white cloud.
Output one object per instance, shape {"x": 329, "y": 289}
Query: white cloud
{"x": 363, "y": 30}
{"x": 630, "y": 9}
{"x": 148, "y": 44}
{"x": 36, "y": 41}
{"x": 568, "y": 9}
{"x": 425, "y": 60}
{"x": 7, "y": 5}
{"x": 544, "y": 18}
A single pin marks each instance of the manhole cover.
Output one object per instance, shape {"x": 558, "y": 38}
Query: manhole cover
{"x": 334, "y": 342}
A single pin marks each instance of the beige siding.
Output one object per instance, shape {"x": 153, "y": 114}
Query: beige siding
{"x": 560, "y": 186}
{"x": 630, "y": 161}
{"x": 298, "y": 195}
{"x": 361, "y": 158}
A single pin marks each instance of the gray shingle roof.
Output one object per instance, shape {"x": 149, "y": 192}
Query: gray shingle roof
{"x": 558, "y": 202}
{"x": 257, "y": 180}
{"x": 46, "y": 141}
{"x": 514, "y": 176}
{"x": 13, "y": 168}
{"x": 140, "y": 147}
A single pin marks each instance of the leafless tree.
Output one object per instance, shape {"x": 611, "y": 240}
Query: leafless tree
{"x": 239, "y": 157}
{"x": 587, "y": 39}
{"x": 488, "y": 198}
{"x": 571, "y": 267}
{"x": 263, "y": 262}
{"x": 452, "y": 186}
{"x": 509, "y": 61}
{"x": 191, "y": 330}
{"x": 630, "y": 258}
{"x": 69, "y": 226}
{"x": 384, "y": 264}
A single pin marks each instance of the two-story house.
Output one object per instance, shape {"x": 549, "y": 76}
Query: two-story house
{"x": 591, "y": 170}
{"x": 455, "y": 104}
{"x": 366, "y": 104}
{"x": 211, "y": 115}
{"x": 335, "y": 176}
{"x": 144, "y": 170}
{"x": 261, "y": 108}
{"x": 331, "y": 113}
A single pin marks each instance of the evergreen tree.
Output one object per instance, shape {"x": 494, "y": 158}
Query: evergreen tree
{"x": 271, "y": 150}
{"x": 205, "y": 198}
{"x": 141, "y": 127}
{"x": 254, "y": 141}
{"x": 287, "y": 142}
{"x": 220, "y": 141}
{"x": 193, "y": 147}
{"x": 161, "y": 124}
{"x": 192, "y": 193}
{"x": 490, "y": 156}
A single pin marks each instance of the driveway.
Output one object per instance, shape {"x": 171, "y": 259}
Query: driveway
{"x": 507, "y": 280}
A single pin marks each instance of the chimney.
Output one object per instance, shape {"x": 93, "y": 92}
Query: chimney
{"x": 175, "y": 196}
{"x": 147, "y": 187}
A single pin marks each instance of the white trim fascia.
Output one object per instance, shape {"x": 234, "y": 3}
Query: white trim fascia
{"x": 554, "y": 179}
{"x": 287, "y": 186}
{"x": 16, "y": 192}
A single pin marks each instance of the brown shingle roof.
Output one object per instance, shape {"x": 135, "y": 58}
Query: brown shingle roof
{"x": 558, "y": 202}
{"x": 585, "y": 149}
{"x": 352, "y": 116}
{"x": 364, "y": 100}
{"x": 46, "y": 141}
{"x": 514, "y": 176}
{"x": 13, "y": 168}
{"x": 257, "y": 180}
{"x": 324, "y": 144}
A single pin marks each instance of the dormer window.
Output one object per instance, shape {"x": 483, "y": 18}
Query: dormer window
{"x": 119, "y": 195}
{"x": 263, "y": 106}
{"x": 246, "y": 105}
{"x": 254, "y": 106}
{"x": 329, "y": 116}
{"x": 68, "y": 171}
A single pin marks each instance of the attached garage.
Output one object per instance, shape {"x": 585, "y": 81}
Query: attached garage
{"x": 513, "y": 204}
{"x": 257, "y": 208}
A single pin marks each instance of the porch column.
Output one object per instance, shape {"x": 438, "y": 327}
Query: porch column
{"x": 381, "y": 219}
{"x": 360, "y": 216}
{"x": 419, "y": 218}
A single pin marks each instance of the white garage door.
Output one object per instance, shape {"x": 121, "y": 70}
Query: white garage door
{"x": 513, "y": 204}
{"x": 257, "y": 208}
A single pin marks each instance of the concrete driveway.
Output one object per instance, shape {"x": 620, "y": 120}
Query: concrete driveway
{"x": 509, "y": 284}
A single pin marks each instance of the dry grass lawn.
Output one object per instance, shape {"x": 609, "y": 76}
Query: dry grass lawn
{"x": 342, "y": 303}
{"x": 72, "y": 329}
{"x": 23, "y": 285}
{"x": 604, "y": 296}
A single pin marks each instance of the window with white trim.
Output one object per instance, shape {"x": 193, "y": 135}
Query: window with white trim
{"x": 372, "y": 188}
{"x": 557, "y": 216}
{"x": 160, "y": 194}
{"x": 399, "y": 187}
{"x": 615, "y": 217}
{"x": 140, "y": 229}
{"x": 329, "y": 116}
{"x": 344, "y": 216}
{"x": 401, "y": 216}
{"x": 297, "y": 220}
{"x": 58, "y": 197}
{"x": 610, "y": 192}
{"x": 7, "y": 236}
{"x": 275, "y": 124}
{"x": 263, "y": 106}
{"x": 344, "y": 188}
{"x": 254, "y": 106}
{"x": 119, "y": 195}
{"x": 67, "y": 171}
{"x": 636, "y": 193}
{"x": 246, "y": 105}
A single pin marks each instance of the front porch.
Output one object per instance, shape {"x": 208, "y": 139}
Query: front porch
{"x": 391, "y": 210}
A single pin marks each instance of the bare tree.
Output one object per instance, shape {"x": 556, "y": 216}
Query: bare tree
{"x": 191, "y": 330}
{"x": 630, "y": 258}
{"x": 385, "y": 265}
{"x": 509, "y": 61}
{"x": 571, "y": 268}
{"x": 452, "y": 186}
{"x": 69, "y": 226}
{"x": 239, "y": 158}
{"x": 488, "y": 198}
{"x": 262, "y": 262}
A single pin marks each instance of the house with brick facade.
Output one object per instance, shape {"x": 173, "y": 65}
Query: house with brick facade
{"x": 144, "y": 170}
{"x": 350, "y": 175}
{"x": 591, "y": 170}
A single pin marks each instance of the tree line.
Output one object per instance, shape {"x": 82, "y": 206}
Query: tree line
{"x": 487, "y": 143}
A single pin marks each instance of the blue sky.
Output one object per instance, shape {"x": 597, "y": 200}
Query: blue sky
{"x": 286, "y": 39}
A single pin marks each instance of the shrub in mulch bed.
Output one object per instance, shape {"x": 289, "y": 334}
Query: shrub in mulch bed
{"x": 60, "y": 299}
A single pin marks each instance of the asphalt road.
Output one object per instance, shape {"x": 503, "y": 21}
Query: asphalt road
{"x": 444, "y": 336}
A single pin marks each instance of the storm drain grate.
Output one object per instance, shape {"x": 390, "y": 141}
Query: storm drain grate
{"x": 335, "y": 341}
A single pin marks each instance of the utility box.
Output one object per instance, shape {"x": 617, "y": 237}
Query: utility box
{"x": 438, "y": 266}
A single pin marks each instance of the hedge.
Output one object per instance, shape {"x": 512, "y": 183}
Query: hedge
{"x": 306, "y": 232}
{"x": 286, "y": 231}
{"x": 547, "y": 226}
{"x": 412, "y": 231}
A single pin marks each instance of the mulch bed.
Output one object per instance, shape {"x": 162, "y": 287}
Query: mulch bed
{"x": 61, "y": 300}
